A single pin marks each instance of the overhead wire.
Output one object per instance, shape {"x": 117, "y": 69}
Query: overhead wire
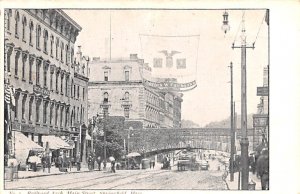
{"x": 238, "y": 28}
{"x": 259, "y": 28}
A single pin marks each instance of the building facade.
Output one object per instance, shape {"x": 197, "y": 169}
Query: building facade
{"x": 262, "y": 131}
{"x": 40, "y": 65}
{"x": 118, "y": 84}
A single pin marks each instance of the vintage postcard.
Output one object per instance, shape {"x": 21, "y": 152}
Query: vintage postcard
{"x": 138, "y": 99}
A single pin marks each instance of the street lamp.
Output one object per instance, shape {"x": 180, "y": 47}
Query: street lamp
{"x": 244, "y": 139}
{"x": 232, "y": 145}
{"x": 225, "y": 26}
{"x": 128, "y": 137}
{"x": 105, "y": 105}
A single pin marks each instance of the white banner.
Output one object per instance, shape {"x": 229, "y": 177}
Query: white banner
{"x": 170, "y": 62}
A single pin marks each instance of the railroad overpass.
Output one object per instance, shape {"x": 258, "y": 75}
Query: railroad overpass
{"x": 156, "y": 140}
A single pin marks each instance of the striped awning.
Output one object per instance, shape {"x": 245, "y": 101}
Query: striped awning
{"x": 56, "y": 143}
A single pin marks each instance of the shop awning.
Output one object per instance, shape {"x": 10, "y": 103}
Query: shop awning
{"x": 88, "y": 137}
{"x": 23, "y": 142}
{"x": 23, "y": 145}
{"x": 55, "y": 143}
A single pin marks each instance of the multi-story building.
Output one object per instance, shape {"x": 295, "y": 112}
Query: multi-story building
{"x": 118, "y": 84}
{"x": 50, "y": 93}
{"x": 262, "y": 131}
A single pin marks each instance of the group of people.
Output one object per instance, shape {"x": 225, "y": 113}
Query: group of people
{"x": 152, "y": 163}
{"x": 92, "y": 159}
{"x": 261, "y": 166}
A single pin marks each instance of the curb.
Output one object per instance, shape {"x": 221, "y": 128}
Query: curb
{"x": 42, "y": 175}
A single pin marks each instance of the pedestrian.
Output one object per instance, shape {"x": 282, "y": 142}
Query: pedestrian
{"x": 99, "y": 162}
{"x": 48, "y": 163}
{"x": 60, "y": 162}
{"x": 263, "y": 169}
{"x": 104, "y": 165}
{"x": 44, "y": 162}
{"x": 78, "y": 161}
{"x": 90, "y": 160}
{"x": 70, "y": 163}
{"x": 113, "y": 161}
{"x": 252, "y": 163}
{"x": 93, "y": 161}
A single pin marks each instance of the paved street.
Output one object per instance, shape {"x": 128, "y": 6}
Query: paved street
{"x": 126, "y": 179}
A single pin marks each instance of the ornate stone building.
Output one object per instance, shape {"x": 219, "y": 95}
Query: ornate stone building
{"x": 118, "y": 84}
{"x": 50, "y": 91}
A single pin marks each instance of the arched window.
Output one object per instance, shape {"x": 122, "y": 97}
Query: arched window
{"x": 61, "y": 52}
{"x": 17, "y": 19}
{"x": 72, "y": 55}
{"x": 56, "y": 48}
{"x": 126, "y": 96}
{"x": 45, "y": 40}
{"x": 38, "y": 36}
{"x": 30, "y": 32}
{"x": 24, "y": 24}
{"x": 51, "y": 45}
{"x": 8, "y": 15}
{"x": 105, "y": 97}
{"x": 67, "y": 54}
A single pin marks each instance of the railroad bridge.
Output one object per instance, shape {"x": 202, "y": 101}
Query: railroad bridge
{"x": 154, "y": 140}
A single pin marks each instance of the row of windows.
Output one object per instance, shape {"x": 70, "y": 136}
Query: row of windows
{"x": 62, "y": 51}
{"x": 126, "y": 106}
{"x": 106, "y": 97}
{"x": 126, "y": 74}
{"x": 59, "y": 115}
{"x": 63, "y": 78}
{"x": 152, "y": 114}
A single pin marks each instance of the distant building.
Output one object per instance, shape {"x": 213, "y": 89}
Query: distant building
{"x": 116, "y": 85}
{"x": 40, "y": 65}
{"x": 262, "y": 133}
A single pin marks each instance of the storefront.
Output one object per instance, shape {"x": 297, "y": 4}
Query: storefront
{"x": 23, "y": 145}
{"x": 57, "y": 147}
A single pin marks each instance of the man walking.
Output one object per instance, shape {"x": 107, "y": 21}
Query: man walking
{"x": 113, "y": 161}
{"x": 99, "y": 162}
{"x": 78, "y": 161}
{"x": 263, "y": 169}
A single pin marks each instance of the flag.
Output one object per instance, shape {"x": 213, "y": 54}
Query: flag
{"x": 9, "y": 95}
{"x": 267, "y": 17}
{"x": 172, "y": 61}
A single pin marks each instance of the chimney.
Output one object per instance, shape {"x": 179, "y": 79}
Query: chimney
{"x": 133, "y": 56}
{"x": 79, "y": 54}
{"x": 96, "y": 58}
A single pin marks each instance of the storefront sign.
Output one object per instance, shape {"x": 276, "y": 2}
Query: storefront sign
{"x": 262, "y": 91}
{"x": 260, "y": 120}
{"x": 41, "y": 91}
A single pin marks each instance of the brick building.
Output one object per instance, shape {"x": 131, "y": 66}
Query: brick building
{"x": 118, "y": 83}
{"x": 50, "y": 98}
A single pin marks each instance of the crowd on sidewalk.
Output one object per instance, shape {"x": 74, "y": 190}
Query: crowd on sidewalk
{"x": 259, "y": 171}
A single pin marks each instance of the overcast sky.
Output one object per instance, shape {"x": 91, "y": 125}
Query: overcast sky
{"x": 210, "y": 101}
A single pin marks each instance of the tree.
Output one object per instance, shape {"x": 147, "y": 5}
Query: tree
{"x": 114, "y": 140}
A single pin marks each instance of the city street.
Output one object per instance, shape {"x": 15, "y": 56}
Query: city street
{"x": 127, "y": 179}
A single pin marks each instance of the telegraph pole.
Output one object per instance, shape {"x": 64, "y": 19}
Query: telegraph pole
{"x": 232, "y": 128}
{"x": 244, "y": 139}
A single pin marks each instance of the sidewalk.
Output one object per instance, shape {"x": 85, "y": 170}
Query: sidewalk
{"x": 233, "y": 185}
{"x": 53, "y": 171}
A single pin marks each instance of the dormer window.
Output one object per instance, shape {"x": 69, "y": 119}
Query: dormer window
{"x": 127, "y": 70}
{"x": 105, "y": 76}
{"x": 126, "y": 75}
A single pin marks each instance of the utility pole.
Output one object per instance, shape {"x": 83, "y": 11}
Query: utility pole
{"x": 244, "y": 139}
{"x": 232, "y": 127}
